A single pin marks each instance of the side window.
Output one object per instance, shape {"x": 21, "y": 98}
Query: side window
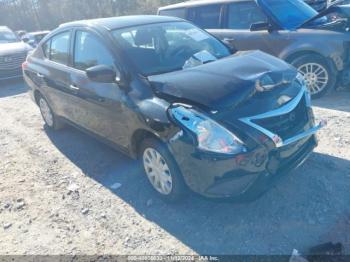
{"x": 179, "y": 12}
{"x": 89, "y": 51}
{"x": 207, "y": 17}
{"x": 59, "y": 51}
{"x": 242, "y": 15}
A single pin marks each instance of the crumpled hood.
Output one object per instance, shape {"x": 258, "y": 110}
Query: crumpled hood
{"x": 11, "y": 48}
{"x": 221, "y": 84}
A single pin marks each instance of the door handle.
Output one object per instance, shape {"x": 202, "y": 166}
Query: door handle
{"x": 39, "y": 75}
{"x": 227, "y": 39}
{"x": 74, "y": 88}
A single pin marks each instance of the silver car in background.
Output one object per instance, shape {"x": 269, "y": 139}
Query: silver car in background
{"x": 13, "y": 53}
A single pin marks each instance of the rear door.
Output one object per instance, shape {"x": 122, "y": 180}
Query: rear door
{"x": 54, "y": 73}
{"x": 99, "y": 107}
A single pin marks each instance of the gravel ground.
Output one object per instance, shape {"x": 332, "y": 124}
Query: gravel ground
{"x": 66, "y": 193}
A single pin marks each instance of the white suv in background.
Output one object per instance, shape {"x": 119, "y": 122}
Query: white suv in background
{"x": 13, "y": 53}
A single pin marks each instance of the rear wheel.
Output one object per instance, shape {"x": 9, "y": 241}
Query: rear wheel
{"x": 319, "y": 76}
{"x": 51, "y": 120}
{"x": 162, "y": 170}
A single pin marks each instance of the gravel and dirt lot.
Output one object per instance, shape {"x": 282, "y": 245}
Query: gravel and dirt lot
{"x": 66, "y": 193}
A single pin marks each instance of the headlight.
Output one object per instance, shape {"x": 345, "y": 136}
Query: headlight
{"x": 264, "y": 83}
{"x": 211, "y": 136}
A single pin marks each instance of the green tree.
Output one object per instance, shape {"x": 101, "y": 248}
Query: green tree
{"x": 33, "y": 15}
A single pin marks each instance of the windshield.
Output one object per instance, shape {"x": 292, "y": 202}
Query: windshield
{"x": 289, "y": 14}
{"x": 8, "y": 37}
{"x": 166, "y": 47}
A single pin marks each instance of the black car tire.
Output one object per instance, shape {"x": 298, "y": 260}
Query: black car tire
{"x": 55, "y": 123}
{"x": 301, "y": 62}
{"x": 178, "y": 189}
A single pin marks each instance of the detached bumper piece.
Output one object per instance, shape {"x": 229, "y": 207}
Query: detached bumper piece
{"x": 281, "y": 162}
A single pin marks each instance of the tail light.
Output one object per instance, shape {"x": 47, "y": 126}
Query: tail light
{"x": 24, "y": 65}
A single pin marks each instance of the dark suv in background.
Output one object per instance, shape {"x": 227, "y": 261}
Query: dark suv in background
{"x": 289, "y": 29}
{"x": 13, "y": 53}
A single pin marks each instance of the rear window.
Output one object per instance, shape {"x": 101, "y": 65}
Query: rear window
{"x": 179, "y": 12}
{"x": 207, "y": 17}
{"x": 57, "y": 48}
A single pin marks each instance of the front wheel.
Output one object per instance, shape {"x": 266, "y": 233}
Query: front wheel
{"x": 319, "y": 76}
{"x": 162, "y": 170}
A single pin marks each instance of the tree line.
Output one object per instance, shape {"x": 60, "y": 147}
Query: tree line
{"x": 32, "y": 15}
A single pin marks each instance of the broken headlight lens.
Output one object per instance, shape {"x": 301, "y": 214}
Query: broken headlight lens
{"x": 211, "y": 136}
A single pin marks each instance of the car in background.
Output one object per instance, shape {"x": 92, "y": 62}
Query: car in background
{"x": 21, "y": 33}
{"x": 318, "y": 5}
{"x": 34, "y": 38}
{"x": 291, "y": 30}
{"x": 165, "y": 92}
{"x": 13, "y": 53}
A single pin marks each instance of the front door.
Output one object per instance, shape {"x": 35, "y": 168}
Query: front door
{"x": 238, "y": 18}
{"x": 99, "y": 107}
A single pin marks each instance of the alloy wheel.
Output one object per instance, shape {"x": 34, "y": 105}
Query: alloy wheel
{"x": 316, "y": 77}
{"x": 157, "y": 171}
{"x": 46, "y": 112}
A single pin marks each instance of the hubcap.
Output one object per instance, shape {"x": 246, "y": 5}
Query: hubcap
{"x": 316, "y": 77}
{"x": 157, "y": 171}
{"x": 46, "y": 112}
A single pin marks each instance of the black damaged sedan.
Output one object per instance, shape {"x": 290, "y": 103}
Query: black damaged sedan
{"x": 196, "y": 114}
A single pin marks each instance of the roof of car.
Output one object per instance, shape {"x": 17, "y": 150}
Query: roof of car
{"x": 198, "y": 3}
{"x": 113, "y": 23}
{"x": 38, "y": 32}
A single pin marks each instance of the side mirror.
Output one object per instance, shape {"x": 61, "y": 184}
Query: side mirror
{"x": 260, "y": 26}
{"x": 103, "y": 74}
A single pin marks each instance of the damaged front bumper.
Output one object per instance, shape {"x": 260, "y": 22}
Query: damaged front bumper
{"x": 242, "y": 176}
{"x": 249, "y": 174}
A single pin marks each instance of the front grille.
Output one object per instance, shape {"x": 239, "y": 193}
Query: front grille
{"x": 12, "y": 61}
{"x": 4, "y": 74}
{"x": 287, "y": 125}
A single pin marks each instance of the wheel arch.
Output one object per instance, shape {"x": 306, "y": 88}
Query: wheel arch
{"x": 290, "y": 57}
{"x": 136, "y": 140}
{"x": 37, "y": 95}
